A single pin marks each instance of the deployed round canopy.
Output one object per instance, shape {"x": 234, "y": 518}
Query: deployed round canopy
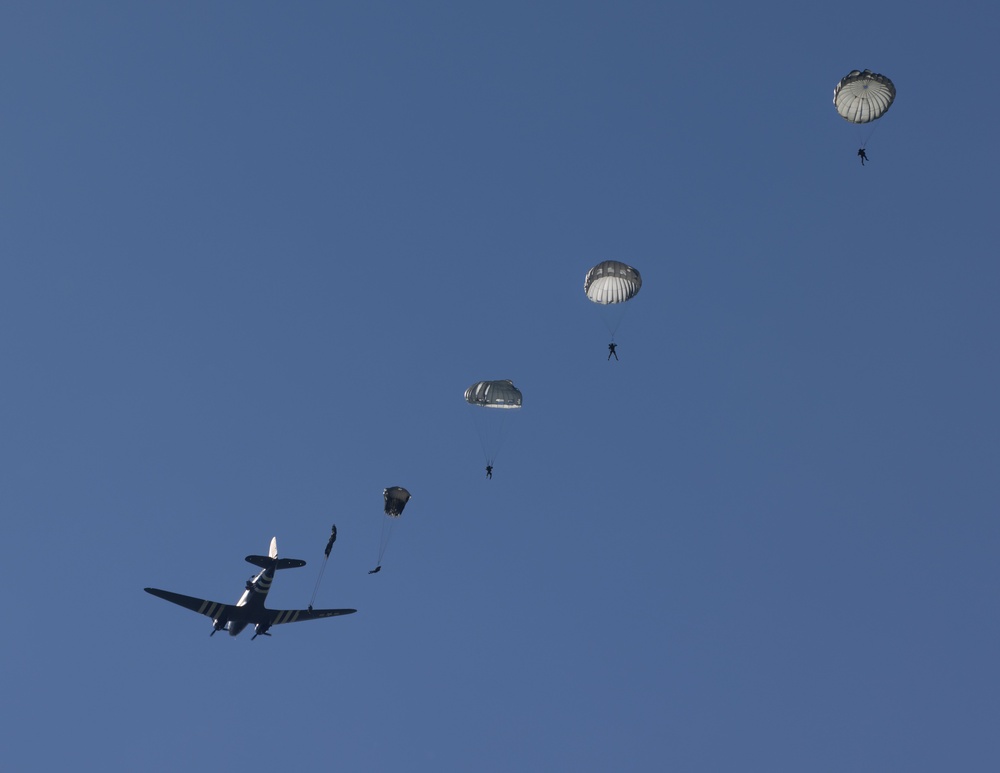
{"x": 612, "y": 282}
{"x": 396, "y": 498}
{"x": 863, "y": 96}
{"x": 494, "y": 394}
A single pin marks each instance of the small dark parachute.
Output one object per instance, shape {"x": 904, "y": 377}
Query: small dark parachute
{"x": 395, "y": 498}
{"x": 611, "y": 284}
{"x": 861, "y": 97}
{"x": 493, "y": 402}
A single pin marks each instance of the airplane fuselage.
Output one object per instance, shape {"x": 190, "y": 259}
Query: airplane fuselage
{"x": 249, "y": 602}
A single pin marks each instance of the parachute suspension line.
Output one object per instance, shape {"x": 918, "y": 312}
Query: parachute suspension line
{"x": 612, "y": 319}
{"x": 387, "y": 523}
{"x": 491, "y": 433}
{"x": 482, "y": 431}
{"x": 322, "y": 568}
{"x": 500, "y": 436}
{"x": 866, "y": 133}
{"x": 612, "y": 315}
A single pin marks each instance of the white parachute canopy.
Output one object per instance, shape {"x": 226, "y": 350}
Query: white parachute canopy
{"x": 863, "y": 96}
{"x": 612, "y": 282}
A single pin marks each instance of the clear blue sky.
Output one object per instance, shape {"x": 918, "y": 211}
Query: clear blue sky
{"x": 252, "y": 254}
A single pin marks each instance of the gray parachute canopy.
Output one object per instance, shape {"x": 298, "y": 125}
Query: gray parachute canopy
{"x": 863, "y": 96}
{"x": 395, "y": 498}
{"x": 612, "y": 282}
{"x": 494, "y": 394}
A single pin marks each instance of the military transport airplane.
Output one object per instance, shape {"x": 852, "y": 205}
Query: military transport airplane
{"x": 250, "y": 608}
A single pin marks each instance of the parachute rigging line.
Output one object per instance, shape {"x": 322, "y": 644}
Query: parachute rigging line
{"x": 866, "y": 134}
{"x": 491, "y": 434}
{"x": 384, "y": 539}
{"x": 477, "y": 424}
{"x": 322, "y": 568}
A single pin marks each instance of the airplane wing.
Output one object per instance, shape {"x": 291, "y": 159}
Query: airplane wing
{"x": 205, "y": 607}
{"x": 279, "y": 616}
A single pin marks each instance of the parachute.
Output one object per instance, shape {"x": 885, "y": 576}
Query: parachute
{"x": 395, "y": 498}
{"x": 863, "y": 96}
{"x": 499, "y": 397}
{"x": 860, "y": 98}
{"x": 494, "y": 394}
{"x": 610, "y": 284}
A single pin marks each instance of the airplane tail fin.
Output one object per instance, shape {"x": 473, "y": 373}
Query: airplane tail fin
{"x": 273, "y": 552}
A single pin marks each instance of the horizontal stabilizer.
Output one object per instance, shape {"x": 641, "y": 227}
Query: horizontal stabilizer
{"x": 278, "y": 563}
